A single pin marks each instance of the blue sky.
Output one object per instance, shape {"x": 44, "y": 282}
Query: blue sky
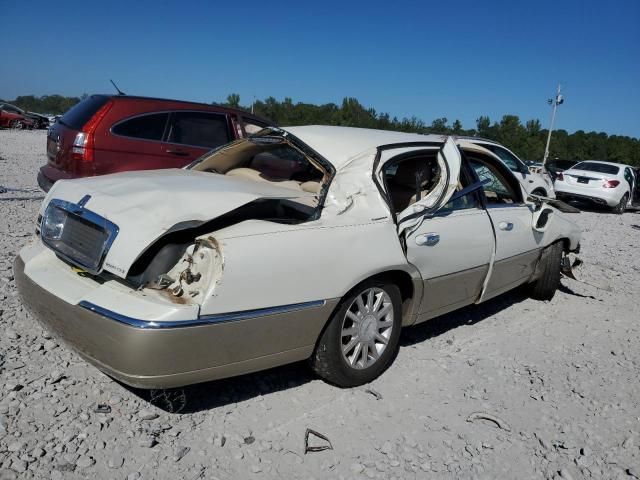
{"x": 457, "y": 59}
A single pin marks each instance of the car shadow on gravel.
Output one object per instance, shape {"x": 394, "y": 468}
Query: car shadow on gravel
{"x": 217, "y": 393}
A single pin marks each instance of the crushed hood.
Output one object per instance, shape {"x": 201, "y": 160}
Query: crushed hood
{"x": 145, "y": 204}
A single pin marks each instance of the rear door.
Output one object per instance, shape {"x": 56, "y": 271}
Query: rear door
{"x": 191, "y": 134}
{"x": 450, "y": 243}
{"x": 134, "y": 143}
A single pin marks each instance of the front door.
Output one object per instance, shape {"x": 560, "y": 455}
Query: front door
{"x": 517, "y": 243}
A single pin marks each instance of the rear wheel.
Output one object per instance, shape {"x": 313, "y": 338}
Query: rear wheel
{"x": 544, "y": 288}
{"x": 622, "y": 206}
{"x": 361, "y": 339}
{"x": 540, "y": 192}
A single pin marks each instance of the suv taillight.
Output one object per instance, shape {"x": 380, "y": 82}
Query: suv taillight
{"x": 84, "y": 143}
{"x": 81, "y": 149}
{"x": 560, "y": 177}
{"x": 611, "y": 184}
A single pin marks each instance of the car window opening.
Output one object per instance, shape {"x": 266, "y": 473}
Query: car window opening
{"x": 499, "y": 190}
{"x": 411, "y": 179}
{"x": 278, "y": 162}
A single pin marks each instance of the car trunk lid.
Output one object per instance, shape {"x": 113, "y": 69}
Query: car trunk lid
{"x": 584, "y": 178}
{"x": 146, "y": 204}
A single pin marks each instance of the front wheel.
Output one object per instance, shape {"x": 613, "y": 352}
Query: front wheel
{"x": 548, "y": 281}
{"x": 622, "y": 206}
{"x": 361, "y": 339}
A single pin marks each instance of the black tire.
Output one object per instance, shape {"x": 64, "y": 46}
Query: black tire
{"x": 622, "y": 206}
{"x": 545, "y": 286}
{"x": 328, "y": 360}
{"x": 540, "y": 192}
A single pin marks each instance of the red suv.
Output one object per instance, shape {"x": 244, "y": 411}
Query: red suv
{"x": 114, "y": 133}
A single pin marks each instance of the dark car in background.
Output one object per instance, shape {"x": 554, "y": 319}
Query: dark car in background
{"x": 114, "y": 133}
{"x": 554, "y": 167}
{"x": 27, "y": 120}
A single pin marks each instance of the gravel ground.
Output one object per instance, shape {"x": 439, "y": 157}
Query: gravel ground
{"x": 559, "y": 378}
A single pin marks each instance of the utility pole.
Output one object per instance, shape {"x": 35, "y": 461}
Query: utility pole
{"x": 555, "y": 102}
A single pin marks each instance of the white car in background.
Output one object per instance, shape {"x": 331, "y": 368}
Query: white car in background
{"x": 312, "y": 242}
{"x": 603, "y": 183}
{"x": 536, "y": 181}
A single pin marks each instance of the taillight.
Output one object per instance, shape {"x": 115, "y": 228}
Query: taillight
{"x": 81, "y": 149}
{"x": 560, "y": 177}
{"x": 84, "y": 142}
{"x": 611, "y": 184}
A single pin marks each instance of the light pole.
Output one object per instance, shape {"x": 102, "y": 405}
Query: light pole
{"x": 555, "y": 102}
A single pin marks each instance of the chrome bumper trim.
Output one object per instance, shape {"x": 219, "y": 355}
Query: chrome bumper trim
{"x": 202, "y": 320}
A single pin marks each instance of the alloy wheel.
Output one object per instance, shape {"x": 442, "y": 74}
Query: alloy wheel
{"x": 366, "y": 328}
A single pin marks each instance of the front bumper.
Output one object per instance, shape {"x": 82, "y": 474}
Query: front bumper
{"x": 146, "y": 357}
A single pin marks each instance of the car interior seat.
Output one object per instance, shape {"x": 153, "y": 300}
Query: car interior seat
{"x": 410, "y": 183}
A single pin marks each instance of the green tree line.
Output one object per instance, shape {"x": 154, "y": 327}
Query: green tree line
{"x": 49, "y": 104}
{"x": 527, "y": 139}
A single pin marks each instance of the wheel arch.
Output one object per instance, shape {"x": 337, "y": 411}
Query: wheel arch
{"x": 408, "y": 279}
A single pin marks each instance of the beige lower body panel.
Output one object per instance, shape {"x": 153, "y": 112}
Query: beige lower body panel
{"x": 450, "y": 292}
{"x": 162, "y": 358}
{"x": 511, "y": 272}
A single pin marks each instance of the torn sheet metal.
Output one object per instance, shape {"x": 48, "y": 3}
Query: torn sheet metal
{"x": 539, "y": 200}
{"x": 195, "y": 276}
{"x": 567, "y": 266}
{"x": 353, "y": 184}
{"x": 449, "y": 163}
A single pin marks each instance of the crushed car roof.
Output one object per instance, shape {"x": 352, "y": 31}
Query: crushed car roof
{"x": 339, "y": 144}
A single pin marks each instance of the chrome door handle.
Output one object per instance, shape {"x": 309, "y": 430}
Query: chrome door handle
{"x": 508, "y": 226}
{"x": 427, "y": 239}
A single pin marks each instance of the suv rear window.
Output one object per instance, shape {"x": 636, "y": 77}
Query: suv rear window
{"x": 200, "y": 129}
{"x": 148, "y": 127}
{"x": 597, "y": 167}
{"x": 78, "y": 115}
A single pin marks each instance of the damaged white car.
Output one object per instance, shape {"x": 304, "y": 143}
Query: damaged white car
{"x": 315, "y": 243}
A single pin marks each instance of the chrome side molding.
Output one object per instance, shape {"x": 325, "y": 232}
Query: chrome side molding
{"x": 201, "y": 320}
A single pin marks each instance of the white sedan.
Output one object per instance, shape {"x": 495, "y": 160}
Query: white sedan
{"x": 534, "y": 179}
{"x": 315, "y": 243}
{"x": 603, "y": 183}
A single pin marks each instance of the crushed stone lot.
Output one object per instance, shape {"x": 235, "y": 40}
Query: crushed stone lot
{"x": 513, "y": 388}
